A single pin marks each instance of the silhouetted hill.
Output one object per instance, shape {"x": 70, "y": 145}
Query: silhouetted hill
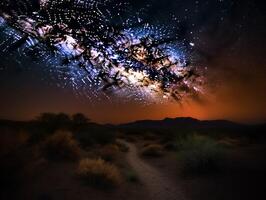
{"x": 186, "y": 125}
{"x": 182, "y": 122}
{"x": 165, "y": 126}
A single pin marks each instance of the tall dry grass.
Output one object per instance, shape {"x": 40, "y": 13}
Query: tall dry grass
{"x": 61, "y": 146}
{"x": 99, "y": 173}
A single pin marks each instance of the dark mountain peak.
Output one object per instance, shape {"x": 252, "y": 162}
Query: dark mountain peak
{"x": 181, "y": 122}
{"x": 181, "y": 119}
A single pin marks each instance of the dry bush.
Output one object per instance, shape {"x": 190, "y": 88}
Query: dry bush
{"x": 109, "y": 152}
{"x": 92, "y": 134}
{"x": 61, "y": 146}
{"x": 153, "y": 150}
{"x": 199, "y": 154}
{"x": 122, "y": 147}
{"x": 98, "y": 173}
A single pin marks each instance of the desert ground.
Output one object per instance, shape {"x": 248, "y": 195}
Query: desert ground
{"x": 62, "y": 157}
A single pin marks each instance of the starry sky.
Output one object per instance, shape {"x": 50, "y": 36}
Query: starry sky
{"x": 229, "y": 39}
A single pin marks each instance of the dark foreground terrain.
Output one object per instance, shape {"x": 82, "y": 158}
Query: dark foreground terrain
{"x": 61, "y": 157}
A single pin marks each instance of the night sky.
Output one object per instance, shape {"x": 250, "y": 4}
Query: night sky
{"x": 228, "y": 39}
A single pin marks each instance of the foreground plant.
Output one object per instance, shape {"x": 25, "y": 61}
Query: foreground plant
{"x": 61, "y": 146}
{"x": 98, "y": 173}
{"x": 199, "y": 154}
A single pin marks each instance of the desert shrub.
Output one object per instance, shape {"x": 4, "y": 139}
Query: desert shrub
{"x": 92, "y": 134}
{"x": 152, "y": 150}
{"x": 109, "y": 152}
{"x": 199, "y": 154}
{"x": 50, "y": 122}
{"x": 104, "y": 137}
{"x": 37, "y": 132}
{"x": 98, "y": 173}
{"x": 122, "y": 147}
{"x": 84, "y": 138}
{"x": 79, "y": 119}
{"x": 61, "y": 146}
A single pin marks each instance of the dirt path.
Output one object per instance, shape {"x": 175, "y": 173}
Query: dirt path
{"x": 159, "y": 186}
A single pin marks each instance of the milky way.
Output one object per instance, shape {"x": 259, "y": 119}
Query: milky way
{"x": 101, "y": 48}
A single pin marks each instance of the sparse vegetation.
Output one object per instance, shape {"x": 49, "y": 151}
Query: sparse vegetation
{"x": 26, "y": 149}
{"x": 98, "y": 173}
{"x": 199, "y": 154}
{"x": 109, "y": 152}
{"x": 79, "y": 119}
{"x": 52, "y": 122}
{"x": 153, "y": 150}
{"x": 122, "y": 147}
{"x": 60, "y": 146}
{"x": 94, "y": 134}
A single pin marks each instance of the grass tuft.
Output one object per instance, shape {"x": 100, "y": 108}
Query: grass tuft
{"x": 61, "y": 146}
{"x": 98, "y": 173}
{"x": 109, "y": 152}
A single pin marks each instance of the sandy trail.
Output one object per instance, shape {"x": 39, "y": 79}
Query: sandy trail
{"x": 158, "y": 186}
